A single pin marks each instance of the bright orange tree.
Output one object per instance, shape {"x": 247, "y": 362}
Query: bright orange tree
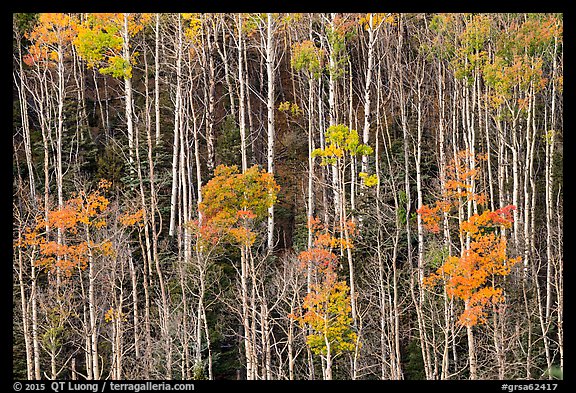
{"x": 76, "y": 219}
{"x": 471, "y": 276}
{"x": 49, "y": 37}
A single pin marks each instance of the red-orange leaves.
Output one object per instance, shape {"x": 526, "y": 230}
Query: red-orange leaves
{"x": 430, "y": 217}
{"x": 476, "y": 225}
{"x": 320, "y": 256}
{"x": 65, "y": 238}
{"x": 503, "y": 216}
{"x": 471, "y": 277}
{"x": 318, "y": 259}
{"x": 458, "y": 189}
{"x": 245, "y": 214}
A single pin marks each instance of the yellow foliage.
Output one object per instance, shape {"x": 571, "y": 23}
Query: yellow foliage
{"x": 193, "y": 30}
{"x": 112, "y": 315}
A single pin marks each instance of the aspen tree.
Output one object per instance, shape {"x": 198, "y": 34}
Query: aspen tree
{"x": 270, "y": 74}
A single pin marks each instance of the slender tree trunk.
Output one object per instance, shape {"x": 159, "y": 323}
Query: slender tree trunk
{"x": 184, "y": 245}
{"x": 250, "y": 139}
{"x": 135, "y": 312}
{"x": 86, "y": 330}
{"x": 59, "y": 131}
{"x": 25, "y": 316}
{"x": 498, "y": 344}
{"x": 559, "y": 279}
{"x": 528, "y": 349}
{"x": 165, "y": 311}
{"x": 394, "y": 310}
{"x": 35, "y": 339}
{"x": 128, "y": 90}
{"x": 488, "y": 150}
{"x": 328, "y": 357}
{"x": 177, "y": 128}
{"x": 290, "y": 343}
{"x": 367, "y": 90}
{"x": 323, "y": 169}
{"x": 23, "y": 101}
{"x": 151, "y": 238}
{"x": 516, "y": 184}
{"x": 96, "y": 373}
{"x": 211, "y": 85}
{"x": 446, "y": 231}
{"x": 556, "y": 261}
{"x": 227, "y": 73}
{"x": 241, "y": 103}
{"x": 270, "y": 46}
{"x": 245, "y": 317}
{"x": 100, "y": 106}
{"x": 310, "y": 212}
{"x": 420, "y": 229}
{"x": 157, "y": 77}
{"x": 405, "y": 131}
{"x": 199, "y": 312}
{"x": 333, "y": 117}
{"x": 472, "y": 364}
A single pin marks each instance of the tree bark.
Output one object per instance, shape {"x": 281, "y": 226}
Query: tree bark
{"x": 270, "y": 54}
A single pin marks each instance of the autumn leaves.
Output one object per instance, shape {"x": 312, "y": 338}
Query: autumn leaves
{"x": 471, "y": 277}
{"x": 232, "y": 201}
{"x": 235, "y": 203}
{"x": 326, "y": 309}
{"x": 69, "y": 236}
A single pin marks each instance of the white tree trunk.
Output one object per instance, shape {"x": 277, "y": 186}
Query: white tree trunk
{"x": 367, "y": 89}
{"x": 271, "y": 132}
{"x": 241, "y": 104}
{"x": 177, "y": 129}
{"x": 128, "y": 90}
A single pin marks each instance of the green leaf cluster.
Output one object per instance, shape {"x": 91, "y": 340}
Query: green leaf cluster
{"x": 99, "y": 42}
{"x": 306, "y": 56}
{"x": 341, "y": 140}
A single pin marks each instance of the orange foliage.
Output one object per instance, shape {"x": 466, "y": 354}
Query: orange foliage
{"x": 320, "y": 256}
{"x": 52, "y": 32}
{"x": 430, "y": 217}
{"x": 457, "y": 189}
{"x": 245, "y": 214}
{"x": 80, "y": 213}
{"x": 232, "y": 202}
{"x": 471, "y": 276}
{"x": 132, "y": 219}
